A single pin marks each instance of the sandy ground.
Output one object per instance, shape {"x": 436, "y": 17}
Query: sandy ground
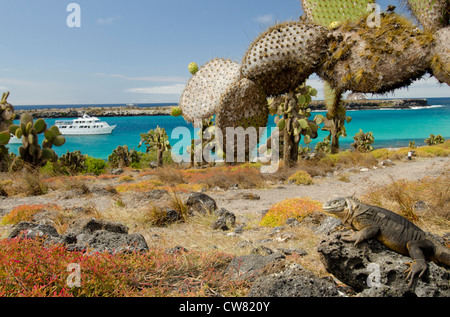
{"x": 328, "y": 187}
{"x": 357, "y": 183}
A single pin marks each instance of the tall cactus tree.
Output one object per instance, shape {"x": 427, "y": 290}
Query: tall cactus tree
{"x": 30, "y": 151}
{"x": 156, "y": 140}
{"x": 6, "y": 119}
{"x": 292, "y": 116}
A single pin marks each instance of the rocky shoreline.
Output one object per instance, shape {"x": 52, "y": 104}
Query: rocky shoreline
{"x": 54, "y": 113}
{"x": 375, "y": 104}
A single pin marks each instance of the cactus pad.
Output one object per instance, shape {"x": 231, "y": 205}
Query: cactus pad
{"x": 369, "y": 60}
{"x": 440, "y": 63}
{"x": 244, "y": 105}
{"x": 284, "y": 56}
{"x": 203, "y": 93}
{"x": 432, "y": 14}
{"x": 329, "y": 12}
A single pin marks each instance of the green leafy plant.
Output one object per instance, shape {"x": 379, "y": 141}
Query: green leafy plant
{"x": 297, "y": 208}
{"x": 94, "y": 165}
{"x": 157, "y": 140}
{"x": 301, "y": 178}
{"x": 363, "y": 141}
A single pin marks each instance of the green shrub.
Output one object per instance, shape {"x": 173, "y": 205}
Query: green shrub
{"x": 301, "y": 178}
{"x": 94, "y": 165}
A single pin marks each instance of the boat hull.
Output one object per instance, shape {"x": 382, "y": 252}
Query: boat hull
{"x": 101, "y": 131}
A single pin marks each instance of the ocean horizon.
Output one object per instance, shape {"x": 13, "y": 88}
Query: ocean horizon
{"x": 390, "y": 127}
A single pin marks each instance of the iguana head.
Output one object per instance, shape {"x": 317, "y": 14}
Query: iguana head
{"x": 335, "y": 205}
{"x": 341, "y": 207}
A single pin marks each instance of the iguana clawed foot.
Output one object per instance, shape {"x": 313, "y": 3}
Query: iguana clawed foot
{"x": 352, "y": 237}
{"x": 416, "y": 267}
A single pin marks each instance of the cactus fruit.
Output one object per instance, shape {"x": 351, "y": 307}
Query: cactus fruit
{"x": 328, "y": 12}
{"x": 193, "y": 68}
{"x": 440, "y": 62}
{"x": 157, "y": 140}
{"x": 30, "y": 151}
{"x": 176, "y": 112}
{"x": 432, "y": 14}
{"x": 284, "y": 56}
{"x": 244, "y": 105}
{"x": 378, "y": 60}
{"x": 203, "y": 93}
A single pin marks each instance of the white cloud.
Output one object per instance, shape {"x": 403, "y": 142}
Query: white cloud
{"x": 176, "y": 89}
{"x": 265, "y": 19}
{"x": 150, "y": 78}
{"x": 109, "y": 20}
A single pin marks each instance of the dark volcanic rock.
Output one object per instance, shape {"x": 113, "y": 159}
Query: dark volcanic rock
{"x": 371, "y": 269}
{"x": 200, "y": 203}
{"x": 295, "y": 281}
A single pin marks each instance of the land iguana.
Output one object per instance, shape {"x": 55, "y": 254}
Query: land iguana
{"x": 391, "y": 229}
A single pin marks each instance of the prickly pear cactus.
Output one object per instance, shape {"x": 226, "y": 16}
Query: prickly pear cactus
{"x": 432, "y": 14}
{"x": 329, "y": 13}
{"x": 376, "y": 60}
{"x": 244, "y": 105}
{"x": 123, "y": 157}
{"x": 30, "y": 151}
{"x": 202, "y": 95}
{"x": 440, "y": 62}
{"x": 293, "y": 120}
{"x": 74, "y": 162}
{"x": 6, "y": 113}
{"x": 284, "y": 56}
{"x": 363, "y": 141}
{"x": 157, "y": 140}
{"x": 335, "y": 120}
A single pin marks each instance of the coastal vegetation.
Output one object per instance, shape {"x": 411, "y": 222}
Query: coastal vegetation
{"x": 146, "y": 191}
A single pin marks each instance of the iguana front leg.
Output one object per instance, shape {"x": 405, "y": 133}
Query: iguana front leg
{"x": 370, "y": 232}
{"x": 419, "y": 265}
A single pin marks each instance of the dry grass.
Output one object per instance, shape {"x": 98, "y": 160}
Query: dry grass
{"x": 426, "y": 202}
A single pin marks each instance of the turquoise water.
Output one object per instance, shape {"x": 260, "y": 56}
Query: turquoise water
{"x": 391, "y": 128}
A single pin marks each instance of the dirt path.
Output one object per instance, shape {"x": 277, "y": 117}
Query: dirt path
{"x": 324, "y": 188}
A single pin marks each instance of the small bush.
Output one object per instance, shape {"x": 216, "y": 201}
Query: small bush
{"x": 95, "y": 166}
{"x": 29, "y": 269}
{"x": 301, "y": 178}
{"x": 25, "y": 213}
{"x": 297, "y": 208}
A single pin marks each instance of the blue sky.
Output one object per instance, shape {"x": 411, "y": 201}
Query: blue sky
{"x": 134, "y": 51}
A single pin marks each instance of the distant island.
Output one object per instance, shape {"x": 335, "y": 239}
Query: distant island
{"x": 135, "y": 111}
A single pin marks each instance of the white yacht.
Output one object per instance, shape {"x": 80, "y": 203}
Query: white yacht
{"x": 84, "y": 126}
